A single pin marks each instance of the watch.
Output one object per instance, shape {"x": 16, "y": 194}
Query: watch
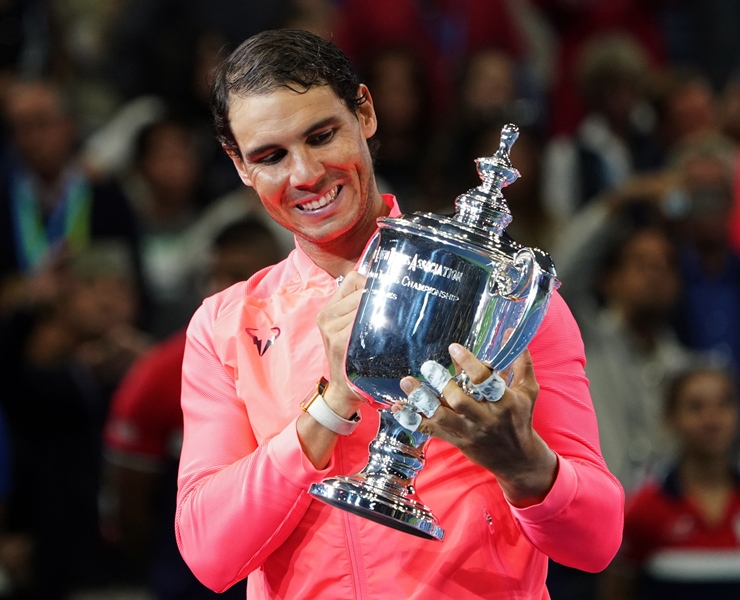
{"x": 316, "y": 406}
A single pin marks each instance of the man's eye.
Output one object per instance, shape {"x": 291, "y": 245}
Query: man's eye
{"x": 271, "y": 158}
{"x": 321, "y": 138}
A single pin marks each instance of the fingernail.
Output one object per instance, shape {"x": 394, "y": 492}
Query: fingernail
{"x": 407, "y": 386}
{"x": 455, "y": 349}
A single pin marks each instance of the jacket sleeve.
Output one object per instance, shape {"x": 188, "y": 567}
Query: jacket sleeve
{"x": 580, "y": 522}
{"x": 237, "y": 500}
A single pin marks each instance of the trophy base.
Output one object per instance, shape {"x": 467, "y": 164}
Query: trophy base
{"x": 379, "y": 505}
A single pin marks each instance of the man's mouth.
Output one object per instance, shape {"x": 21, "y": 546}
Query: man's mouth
{"x": 321, "y": 202}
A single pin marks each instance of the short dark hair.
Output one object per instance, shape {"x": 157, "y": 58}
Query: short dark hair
{"x": 244, "y": 230}
{"x": 679, "y": 379}
{"x": 290, "y": 58}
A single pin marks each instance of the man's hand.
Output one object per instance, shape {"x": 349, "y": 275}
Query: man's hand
{"x": 335, "y": 323}
{"x": 495, "y": 435}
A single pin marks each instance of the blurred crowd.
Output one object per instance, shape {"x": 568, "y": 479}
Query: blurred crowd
{"x": 119, "y": 213}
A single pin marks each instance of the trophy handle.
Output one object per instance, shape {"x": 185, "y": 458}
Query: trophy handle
{"x": 532, "y": 293}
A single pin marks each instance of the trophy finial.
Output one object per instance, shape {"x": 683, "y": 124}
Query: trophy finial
{"x": 497, "y": 171}
{"x": 485, "y": 206}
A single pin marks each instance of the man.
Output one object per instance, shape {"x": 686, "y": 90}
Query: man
{"x": 49, "y": 207}
{"x": 510, "y": 487}
{"x": 631, "y": 333}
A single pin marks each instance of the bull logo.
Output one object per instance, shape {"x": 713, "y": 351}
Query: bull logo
{"x": 263, "y": 339}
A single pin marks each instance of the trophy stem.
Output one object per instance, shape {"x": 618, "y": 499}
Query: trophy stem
{"x": 384, "y": 490}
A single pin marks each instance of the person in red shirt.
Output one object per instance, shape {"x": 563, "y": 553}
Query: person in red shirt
{"x": 143, "y": 432}
{"x": 682, "y": 532}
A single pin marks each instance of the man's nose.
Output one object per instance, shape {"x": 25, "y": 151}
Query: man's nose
{"x": 306, "y": 170}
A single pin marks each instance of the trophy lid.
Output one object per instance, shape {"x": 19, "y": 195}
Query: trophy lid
{"x": 481, "y": 214}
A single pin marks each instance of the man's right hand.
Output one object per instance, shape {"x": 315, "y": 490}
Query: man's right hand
{"x": 335, "y": 322}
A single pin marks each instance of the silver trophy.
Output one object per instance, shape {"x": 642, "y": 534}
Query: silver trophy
{"x": 431, "y": 281}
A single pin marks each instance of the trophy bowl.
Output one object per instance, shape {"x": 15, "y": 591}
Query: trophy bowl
{"x": 431, "y": 281}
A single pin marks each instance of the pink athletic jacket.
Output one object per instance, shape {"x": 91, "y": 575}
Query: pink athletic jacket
{"x": 253, "y": 354}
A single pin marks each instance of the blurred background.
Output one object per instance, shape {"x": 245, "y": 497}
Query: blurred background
{"x": 119, "y": 213}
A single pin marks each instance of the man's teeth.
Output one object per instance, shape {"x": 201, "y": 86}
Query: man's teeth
{"x": 327, "y": 198}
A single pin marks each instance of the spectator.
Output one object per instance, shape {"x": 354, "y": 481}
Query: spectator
{"x": 620, "y": 273}
{"x": 687, "y": 107}
{"x": 731, "y": 128}
{"x": 164, "y": 190}
{"x": 400, "y": 91}
{"x": 681, "y": 537}
{"x": 578, "y": 23}
{"x": 631, "y": 352}
{"x": 234, "y": 206}
{"x": 487, "y": 97}
{"x": 48, "y": 205}
{"x": 709, "y": 319}
{"x": 57, "y": 366}
{"x": 444, "y": 32}
{"x": 144, "y": 432}
{"x": 614, "y": 140}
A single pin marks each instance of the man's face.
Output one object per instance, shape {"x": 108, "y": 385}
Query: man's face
{"x": 646, "y": 281}
{"x": 42, "y": 132}
{"x": 306, "y": 156}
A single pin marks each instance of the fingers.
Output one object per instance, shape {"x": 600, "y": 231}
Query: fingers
{"x": 466, "y": 361}
{"x": 335, "y": 323}
{"x": 351, "y": 282}
{"x": 407, "y": 416}
{"x": 522, "y": 375}
{"x": 421, "y": 401}
{"x": 491, "y": 389}
{"x": 424, "y": 400}
{"x": 464, "y": 397}
{"x": 436, "y": 375}
{"x": 339, "y": 313}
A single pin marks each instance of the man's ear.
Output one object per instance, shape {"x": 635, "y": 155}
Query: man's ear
{"x": 366, "y": 113}
{"x": 238, "y": 164}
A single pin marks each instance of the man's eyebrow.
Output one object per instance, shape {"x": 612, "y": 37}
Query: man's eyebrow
{"x": 260, "y": 150}
{"x": 320, "y": 125}
{"x": 252, "y": 154}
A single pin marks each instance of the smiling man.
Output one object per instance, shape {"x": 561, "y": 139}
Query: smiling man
{"x": 513, "y": 485}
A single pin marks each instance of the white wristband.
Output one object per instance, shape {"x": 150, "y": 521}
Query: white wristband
{"x": 317, "y": 407}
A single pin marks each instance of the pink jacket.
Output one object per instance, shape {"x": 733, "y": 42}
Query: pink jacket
{"x": 253, "y": 353}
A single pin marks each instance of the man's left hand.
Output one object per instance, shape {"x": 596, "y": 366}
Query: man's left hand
{"x": 497, "y": 435}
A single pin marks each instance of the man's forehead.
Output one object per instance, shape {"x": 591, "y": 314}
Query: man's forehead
{"x": 32, "y": 98}
{"x": 255, "y": 118}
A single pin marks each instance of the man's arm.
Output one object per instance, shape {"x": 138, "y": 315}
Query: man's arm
{"x": 226, "y": 480}
{"x": 580, "y": 522}
{"x": 541, "y": 441}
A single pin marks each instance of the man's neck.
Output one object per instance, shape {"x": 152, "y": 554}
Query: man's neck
{"x": 646, "y": 330}
{"x": 339, "y": 256}
{"x": 705, "y": 471}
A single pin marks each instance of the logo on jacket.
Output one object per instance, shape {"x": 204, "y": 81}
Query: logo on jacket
{"x": 263, "y": 339}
